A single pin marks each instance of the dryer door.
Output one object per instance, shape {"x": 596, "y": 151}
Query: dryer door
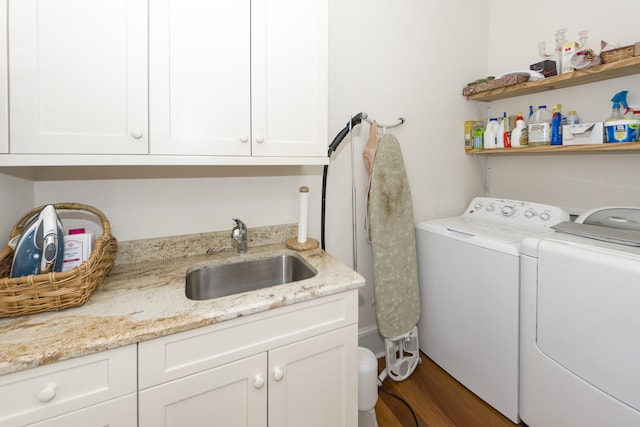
{"x": 588, "y": 315}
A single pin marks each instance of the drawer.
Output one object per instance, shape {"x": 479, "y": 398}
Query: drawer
{"x": 57, "y": 388}
{"x": 174, "y": 356}
{"x": 120, "y": 412}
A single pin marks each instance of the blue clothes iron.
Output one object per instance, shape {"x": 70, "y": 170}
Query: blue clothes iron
{"x": 40, "y": 247}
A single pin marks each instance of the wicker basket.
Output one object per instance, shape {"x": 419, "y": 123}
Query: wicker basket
{"x": 36, "y": 293}
{"x": 619, "y": 54}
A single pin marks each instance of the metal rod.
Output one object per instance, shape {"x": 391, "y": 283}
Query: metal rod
{"x": 353, "y": 201}
{"x": 399, "y": 121}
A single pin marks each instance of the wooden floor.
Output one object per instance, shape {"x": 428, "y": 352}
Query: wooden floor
{"x": 437, "y": 399}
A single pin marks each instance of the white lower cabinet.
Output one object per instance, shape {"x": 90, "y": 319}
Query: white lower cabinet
{"x": 94, "y": 390}
{"x": 292, "y": 366}
{"x": 313, "y": 382}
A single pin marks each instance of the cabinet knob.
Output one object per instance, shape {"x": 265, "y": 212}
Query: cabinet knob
{"x": 259, "y": 139}
{"x": 278, "y": 373}
{"x": 47, "y": 394}
{"x": 137, "y": 134}
{"x": 244, "y": 138}
{"x": 258, "y": 381}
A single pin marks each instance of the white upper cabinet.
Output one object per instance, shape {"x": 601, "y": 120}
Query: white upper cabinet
{"x": 235, "y": 77}
{"x": 199, "y": 77}
{"x": 289, "y": 59}
{"x": 165, "y": 82}
{"x": 78, "y": 76}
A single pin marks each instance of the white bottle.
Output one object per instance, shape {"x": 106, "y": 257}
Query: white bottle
{"x": 540, "y": 127}
{"x": 519, "y": 135}
{"x": 490, "y": 133}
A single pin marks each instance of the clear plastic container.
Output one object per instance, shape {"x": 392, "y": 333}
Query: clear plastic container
{"x": 540, "y": 127}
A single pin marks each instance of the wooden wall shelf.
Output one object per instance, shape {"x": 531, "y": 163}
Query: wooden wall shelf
{"x": 592, "y": 148}
{"x": 625, "y": 67}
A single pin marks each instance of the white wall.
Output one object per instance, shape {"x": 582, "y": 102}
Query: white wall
{"x": 574, "y": 181}
{"x": 17, "y": 196}
{"x": 389, "y": 59}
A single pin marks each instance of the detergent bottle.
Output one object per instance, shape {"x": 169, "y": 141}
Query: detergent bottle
{"x": 490, "y": 133}
{"x": 619, "y": 128}
{"x": 556, "y": 125}
{"x": 520, "y": 134}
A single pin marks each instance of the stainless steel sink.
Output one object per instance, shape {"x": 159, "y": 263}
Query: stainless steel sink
{"x": 222, "y": 280}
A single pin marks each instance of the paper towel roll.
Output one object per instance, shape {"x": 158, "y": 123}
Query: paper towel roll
{"x": 303, "y": 214}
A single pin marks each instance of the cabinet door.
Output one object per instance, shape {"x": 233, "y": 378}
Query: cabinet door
{"x": 122, "y": 412}
{"x": 314, "y": 382}
{"x": 289, "y": 78}
{"x": 4, "y": 99}
{"x": 200, "y": 77}
{"x": 78, "y": 76}
{"x": 232, "y": 395}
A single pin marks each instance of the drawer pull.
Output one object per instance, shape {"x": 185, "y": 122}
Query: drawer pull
{"x": 278, "y": 373}
{"x": 47, "y": 394}
{"x": 258, "y": 381}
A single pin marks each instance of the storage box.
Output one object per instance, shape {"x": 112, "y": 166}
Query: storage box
{"x": 77, "y": 249}
{"x": 584, "y": 133}
{"x": 469, "y": 125}
{"x": 547, "y": 68}
{"x": 621, "y": 53}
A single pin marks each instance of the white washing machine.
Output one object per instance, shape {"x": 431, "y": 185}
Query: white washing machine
{"x": 580, "y": 330}
{"x": 469, "y": 271}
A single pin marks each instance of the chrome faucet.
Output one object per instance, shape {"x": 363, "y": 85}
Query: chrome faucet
{"x": 239, "y": 234}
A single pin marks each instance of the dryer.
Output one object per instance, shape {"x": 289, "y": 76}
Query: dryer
{"x": 469, "y": 273}
{"x": 580, "y": 326}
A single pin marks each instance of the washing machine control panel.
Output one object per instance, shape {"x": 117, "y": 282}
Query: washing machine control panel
{"x": 515, "y": 212}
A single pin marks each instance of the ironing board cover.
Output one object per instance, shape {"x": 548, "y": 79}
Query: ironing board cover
{"x": 393, "y": 244}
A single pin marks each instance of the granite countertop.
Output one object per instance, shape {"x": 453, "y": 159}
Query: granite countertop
{"x": 143, "y": 297}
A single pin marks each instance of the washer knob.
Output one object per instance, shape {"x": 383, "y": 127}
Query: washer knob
{"x": 545, "y": 216}
{"x": 529, "y": 214}
{"x": 490, "y": 208}
{"x": 477, "y": 206}
{"x": 507, "y": 210}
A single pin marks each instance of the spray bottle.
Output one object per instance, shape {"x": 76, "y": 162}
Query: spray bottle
{"x": 556, "y": 125}
{"x": 619, "y": 128}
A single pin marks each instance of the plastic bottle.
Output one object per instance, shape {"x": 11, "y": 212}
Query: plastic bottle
{"x": 540, "y": 127}
{"x": 500, "y": 132}
{"x": 506, "y": 134}
{"x": 530, "y": 111}
{"x": 556, "y": 125}
{"x": 520, "y": 134}
{"x": 619, "y": 128}
{"x": 490, "y": 133}
{"x": 572, "y": 118}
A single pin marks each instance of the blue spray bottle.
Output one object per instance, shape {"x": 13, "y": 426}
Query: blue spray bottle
{"x": 617, "y": 127}
{"x": 556, "y": 125}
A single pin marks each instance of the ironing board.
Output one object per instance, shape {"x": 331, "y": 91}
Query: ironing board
{"x": 393, "y": 244}
{"x": 395, "y": 265}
